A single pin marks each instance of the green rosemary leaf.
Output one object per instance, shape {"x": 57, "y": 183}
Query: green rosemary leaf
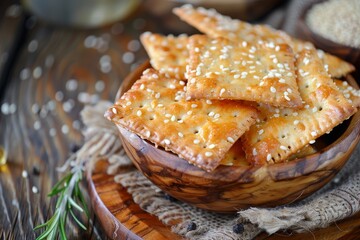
{"x": 58, "y": 184}
{"x": 82, "y": 200}
{"x": 75, "y": 205}
{"x": 77, "y": 220}
{"x": 62, "y": 229}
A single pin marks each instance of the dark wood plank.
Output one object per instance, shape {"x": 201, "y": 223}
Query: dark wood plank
{"x": 56, "y": 70}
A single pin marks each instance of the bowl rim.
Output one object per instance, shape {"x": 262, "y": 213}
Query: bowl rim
{"x": 278, "y": 171}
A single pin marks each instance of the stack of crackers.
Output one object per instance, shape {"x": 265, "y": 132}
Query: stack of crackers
{"x": 239, "y": 91}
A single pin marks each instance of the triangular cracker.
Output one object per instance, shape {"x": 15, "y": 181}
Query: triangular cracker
{"x": 214, "y": 24}
{"x": 168, "y": 54}
{"x": 221, "y": 69}
{"x": 284, "y": 131}
{"x": 350, "y": 93}
{"x": 200, "y": 131}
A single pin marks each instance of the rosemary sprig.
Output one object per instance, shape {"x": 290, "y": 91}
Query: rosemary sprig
{"x": 70, "y": 199}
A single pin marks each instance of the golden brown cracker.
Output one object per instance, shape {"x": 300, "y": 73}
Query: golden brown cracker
{"x": 284, "y": 131}
{"x": 221, "y": 69}
{"x": 168, "y": 54}
{"x": 350, "y": 93}
{"x": 200, "y": 131}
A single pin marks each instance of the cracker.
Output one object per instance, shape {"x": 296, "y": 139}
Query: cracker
{"x": 200, "y": 131}
{"x": 235, "y": 156}
{"x": 221, "y": 69}
{"x": 284, "y": 131}
{"x": 214, "y": 24}
{"x": 168, "y": 54}
{"x": 350, "y": 93}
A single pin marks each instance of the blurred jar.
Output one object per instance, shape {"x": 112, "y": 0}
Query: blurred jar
{"x": 81, "y": 13}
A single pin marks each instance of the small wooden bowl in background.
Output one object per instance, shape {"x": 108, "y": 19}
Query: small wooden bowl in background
{"x": 230, "y": 188}
{"x": 303, "y": 31}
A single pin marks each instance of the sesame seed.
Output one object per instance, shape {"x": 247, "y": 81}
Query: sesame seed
{"x": 276, "y": 115}
{"x": 211, "y": 146}
{"x": 167, "y": 141}
{"x": 222, "y": 91}
{"x": 254, "y": 152}
{"x": 24, "y": 174}
{"x": 114, "y": 110}
{"x": 295, "y": 114}
{"x": 194, "y": 105}
{"x": 208, "y": 101}
{"x": 189, "y": 113}
{"x": 268, "y": 157}
{"x": 314, "y": 109}
{"x": 273, "y": 90}
{"x": 281, "y": 80}
{"x": 312, "y": 142}
{"x": 139, "y": 113}
{"x": 208, "y": 154}
{"x": 237, "y": 76}
{"x": 261, "y": 131}
{"x": 211, "y": 114}
{"x": 313, "y": 133}
{"x": 182, "y": 83}
{"x": 166, "y": 120}
{"x": 157, "y": 95}
{"x": 244, "y": 44}
{"x": 173, "y": 118}
{"x": 230, "y": 139}
{"x": 283, "y": 147}
{"x": 180, "y": 134}
{"x": 34, "y": 189}
{"x": 147, "y": 134}
{"x": 296, "y": 122}
{"x": 196, "y": 141}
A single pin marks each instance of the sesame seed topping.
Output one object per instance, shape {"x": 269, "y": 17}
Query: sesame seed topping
{"x": 296, "y": 122}
{"x": 157, "y": 95}
{"x": 281, "y": 80}
{"x": 180, "y": 134}
{"x": 168, "y": 115}
{"x": 114, "y": 110}
{"x": 211, "y": 114}
{"x": 283, "y": 147}
{"x": 268, "y": 157}
{"x": 312, "y": 142}
{"x": 189, "y": 112}
{"x": 142, "y": 86}
{"x": 166, "y": 120}
{"x": 173, "y": 118}
{"x": 154, "y": 75}
{"x": 208, "y": 101}
{"x": 208, "y": 154}
{"x": 222, "y": 91}
{"x": 230, "y": 139}
{"x": 273, "y": 90}
{"x": 261, "y": 131}
{"x": 194, "y": 105}
{"x": 237, "y": 76}
{"x": 196, "y": 141}
{"x": 313, "y": 133}
{"x": 314, "y": 109}
{"x": 211, "y": 146}
{"x": 139, "y": 113}
{"x": 254, "y": 152}
{"x": 167, "y": 141}
{"x": 147, "y": 134}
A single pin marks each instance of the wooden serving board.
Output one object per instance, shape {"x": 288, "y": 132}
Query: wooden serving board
{"x": 122, "y": 218}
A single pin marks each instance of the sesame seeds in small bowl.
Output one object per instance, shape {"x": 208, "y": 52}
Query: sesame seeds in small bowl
{"x": 333, "y": 26}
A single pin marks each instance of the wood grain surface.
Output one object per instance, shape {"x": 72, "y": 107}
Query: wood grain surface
{"x": 117, "y": 210}
{"x": 49, "y": 77}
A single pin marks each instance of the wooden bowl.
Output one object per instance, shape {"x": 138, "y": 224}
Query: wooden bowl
{"x": 303, "y": 31}
{"x": 230, "y": 188}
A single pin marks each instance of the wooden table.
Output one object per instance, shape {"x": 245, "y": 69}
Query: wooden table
{"x": 47, "y": 73}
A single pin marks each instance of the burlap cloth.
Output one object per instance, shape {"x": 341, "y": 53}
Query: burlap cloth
{"x": 337, "y": 200}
